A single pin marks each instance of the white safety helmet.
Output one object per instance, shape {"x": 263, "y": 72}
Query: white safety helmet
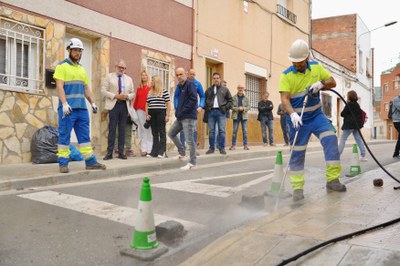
{"x": 299, "y": 51}
{"x": 75, "y": 43}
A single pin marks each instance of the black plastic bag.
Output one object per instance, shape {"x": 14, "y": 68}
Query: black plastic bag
{"x": 44, "y": 145}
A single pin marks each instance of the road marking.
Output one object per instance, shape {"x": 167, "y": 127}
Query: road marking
{"x": 101, "y": 209}
{"x": 195, "y": 185}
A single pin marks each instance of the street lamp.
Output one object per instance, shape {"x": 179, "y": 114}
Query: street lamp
{"x": 386, "y": 25}
{"x": 372, "y": 78}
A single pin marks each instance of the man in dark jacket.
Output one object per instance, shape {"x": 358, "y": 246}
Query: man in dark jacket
{"x": 186, "y": 117}
{"x": 266, "y": 119}
{"x": 218, "y": 103}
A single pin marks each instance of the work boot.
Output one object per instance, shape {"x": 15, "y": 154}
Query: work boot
{"x": 298, "y": 195}
{"x": 96, "y": 166}
{"x": 335, "y": 185}
{"x": 64, "y": 169}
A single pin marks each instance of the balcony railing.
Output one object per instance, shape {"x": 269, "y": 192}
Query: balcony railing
{"x": 286, "y": 13}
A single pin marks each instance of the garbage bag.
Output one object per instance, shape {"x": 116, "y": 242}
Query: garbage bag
{"x": 75, "y": 155}
{"x": 44, "y": 145}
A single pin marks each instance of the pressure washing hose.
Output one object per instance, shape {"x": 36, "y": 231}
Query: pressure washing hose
{"x": 357, "y": 233}
{"x": 365, "y": 143}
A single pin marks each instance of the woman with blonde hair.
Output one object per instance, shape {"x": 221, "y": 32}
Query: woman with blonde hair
{"x": 350, "y": 126}
{"x": 157, "y": 114}
{"x": 144, "y": 134}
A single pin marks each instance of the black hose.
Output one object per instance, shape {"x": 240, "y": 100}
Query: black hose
{"x": 340, "y": 238}
{"x": 365, "y": 143}
{"x": 353, "y": 234}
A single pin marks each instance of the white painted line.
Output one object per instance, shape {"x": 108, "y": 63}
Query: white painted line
{"x": 101, "y": 209}
{"x": 193, "y": 185}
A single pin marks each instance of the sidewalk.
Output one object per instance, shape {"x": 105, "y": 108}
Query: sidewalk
{"x": 320, "y": 217}
{"x": 279, "y": 235}
{"x": 27, "y": 175}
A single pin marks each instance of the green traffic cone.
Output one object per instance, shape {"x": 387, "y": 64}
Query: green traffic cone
{"x": 355, "y": 168}
{"x": 277, "y": 179}
{"x": 144, "y": 236}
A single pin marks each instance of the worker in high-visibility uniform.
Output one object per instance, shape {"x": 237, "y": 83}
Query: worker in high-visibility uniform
{"x": 302, "y": 78}
{"x": 72, "y": 87}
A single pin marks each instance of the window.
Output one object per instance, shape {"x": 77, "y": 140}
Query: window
{"x": 386, "y": 87}
{"x": 386, "y": 107}
{"x": 396, "y": 82}
{"x": 21, "y": 57}
{"x": 326, "y": 105}
{"x": 360, "y": 62}
{"x": 160, "y": 68}
{"x": 255, "y": 87}
{"x": 282, "y": 10}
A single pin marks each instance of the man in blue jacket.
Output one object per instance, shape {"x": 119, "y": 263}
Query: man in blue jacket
{"x": 186, "y": 117}
{"x": 202, "y": 98}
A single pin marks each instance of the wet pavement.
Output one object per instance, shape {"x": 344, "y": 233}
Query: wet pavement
{"x": 278, "y": 236}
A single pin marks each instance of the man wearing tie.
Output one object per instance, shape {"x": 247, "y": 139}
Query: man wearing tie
{"x": 118, "y": 90}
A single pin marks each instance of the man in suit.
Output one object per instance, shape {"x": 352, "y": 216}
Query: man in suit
{"x": 118, "y": 90}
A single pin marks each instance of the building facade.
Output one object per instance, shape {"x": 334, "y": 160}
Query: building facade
{"x": 247, "y": 42}
{"x": 346, "y": 48}
{"x": 390, "y": 83}
{"x": 154, "y": 35}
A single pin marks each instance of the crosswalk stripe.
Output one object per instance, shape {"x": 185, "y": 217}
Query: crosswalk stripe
{"x": 194, "y": 185}
{"x": 101, "y": 209}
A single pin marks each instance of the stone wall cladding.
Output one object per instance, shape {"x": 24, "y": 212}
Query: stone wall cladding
{"x": 22, "y": 114}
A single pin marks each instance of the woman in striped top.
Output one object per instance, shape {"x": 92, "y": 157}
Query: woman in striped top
{"x": 157, "y": 112}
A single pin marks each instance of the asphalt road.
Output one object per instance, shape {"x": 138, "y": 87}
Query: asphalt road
{"x": 89, "y": 223}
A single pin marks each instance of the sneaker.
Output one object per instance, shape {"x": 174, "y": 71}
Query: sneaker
{"x": 96, "y": 166}
{"x": 265, "y": 144}
{"x": 396, "y": 156}
{"x": 209, "y": 151}
{"x": 143, "y": 153}
{"x": 335, "y": 185}
{"x": 182, "y": 157}
{"x": 64, "y": 169}
{"x": 272, "y": 144}
{"x": 161, "y": 156}
{"x": 130, "y": 153}
{"x": 246, "y": 147}
{"x": 189, "y": 166}
{"x": 298, "y": 194}
{"x": 222, "y": 151}
{"x": 232, "y": 148}
{"x": 363, "y": 159}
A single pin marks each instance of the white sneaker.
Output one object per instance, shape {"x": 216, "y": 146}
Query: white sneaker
{"x": 182, "y": 157}
{"x": 363, "y": 159}
{"x": 189, "y": 166}
{"x": 161, "y": 156}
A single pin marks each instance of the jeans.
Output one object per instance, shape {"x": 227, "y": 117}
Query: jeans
{"x": 189, "y": 126}
{"x": 216, "y": 115}
{"x": 345, "y": 134}
{"x": 235, "y": 130}
{"x": 182, "y": 138}
{"x": 397, "y": 148}
{"x": 265, "y": 122}
{"x": 284, "y": 128}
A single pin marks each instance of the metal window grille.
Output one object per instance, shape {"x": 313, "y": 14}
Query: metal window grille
{"x": 160, "y": 68}
{"x": 281, "y": 10}
{"x": 254, "y": 90}
{"x": 22, "y": 50}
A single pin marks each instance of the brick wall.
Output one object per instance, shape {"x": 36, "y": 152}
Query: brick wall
{"x": 335, "y": 37}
